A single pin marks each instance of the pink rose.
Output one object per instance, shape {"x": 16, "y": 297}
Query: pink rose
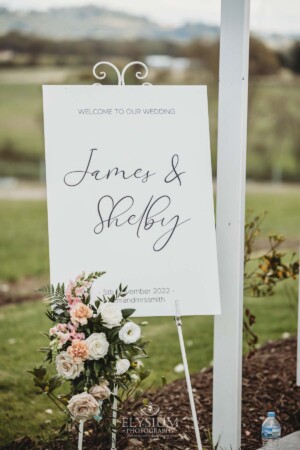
{"x": 100, "y": 391}
{"x": 83, "y": 406}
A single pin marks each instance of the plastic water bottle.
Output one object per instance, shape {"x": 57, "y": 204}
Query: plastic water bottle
{"x": 271, "y": 432}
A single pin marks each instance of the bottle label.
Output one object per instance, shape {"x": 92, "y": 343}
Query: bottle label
{"x": 271, "y": 432}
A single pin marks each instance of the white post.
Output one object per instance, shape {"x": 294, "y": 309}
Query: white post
{"x": 187, "y": 375}
{"x": 298, "y": 341}
{"x": 232, "y": 131}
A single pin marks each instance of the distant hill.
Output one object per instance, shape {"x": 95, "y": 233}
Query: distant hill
{"x": 97, "y": 23}
{"x": 101, "y": 23}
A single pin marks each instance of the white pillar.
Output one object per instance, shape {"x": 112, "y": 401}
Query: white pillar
{"x": 232, "y": 131}
{"x": 298, "y": 333}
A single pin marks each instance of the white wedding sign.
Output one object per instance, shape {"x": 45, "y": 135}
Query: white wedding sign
{"x": 129, "y": 190}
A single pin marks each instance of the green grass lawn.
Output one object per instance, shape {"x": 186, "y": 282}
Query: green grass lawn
{"x": 283, "y": 211}
{"x": 23, "y": 239}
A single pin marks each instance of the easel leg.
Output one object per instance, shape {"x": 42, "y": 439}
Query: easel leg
{"x": 80, "y": 435}
{"x": 187, "y": 375}
{"x": 114, "y": 421}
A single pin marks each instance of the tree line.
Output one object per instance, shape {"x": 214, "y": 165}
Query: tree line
{"x": 27, "y": 50}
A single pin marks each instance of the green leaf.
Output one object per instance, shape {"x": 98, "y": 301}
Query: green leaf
{"x": 39, "y": 372}
{"x": 62, "y": 428}
{"x": 164, "y": 381}
{"x": 127, "y": 312}
{"x": 145, "y": 374}
{"x": 97, "y": 303}
{"x": 55, "y": 382}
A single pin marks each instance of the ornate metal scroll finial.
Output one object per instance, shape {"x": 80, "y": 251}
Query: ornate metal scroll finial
{"x": 121, "y": 75}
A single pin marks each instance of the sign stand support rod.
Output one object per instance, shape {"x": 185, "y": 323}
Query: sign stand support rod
{"x": 187, "y": 374}
{"x": 114, "y": 420}
{"x": 80, "y": 435}
{"x": 231, "y": 176}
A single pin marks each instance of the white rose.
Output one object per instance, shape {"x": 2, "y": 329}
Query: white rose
{"x": 122, "y": 365}
{"x": 130, "y": 333}
{"x": 97, "y": 345}
{"x": 111, "y": 314}
{"x": 83, "y": 406}
{"x": 100, "y": 391}
{"x": 66, "y": 367}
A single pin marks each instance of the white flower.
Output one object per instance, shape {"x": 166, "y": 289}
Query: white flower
{"x": 66, "y": 367}
{"x": 179, "y": 368}
{"x": 134, "y": 377}
{"x": 83, "y": 406}
{"x": 137, "y": 364}
{"x": 130, "y": 333}
{"x": 122, "y": 365}
{"x": 97, "y": 345}
{"x": 111, "y": 314}
{"x": 100, "y": 391}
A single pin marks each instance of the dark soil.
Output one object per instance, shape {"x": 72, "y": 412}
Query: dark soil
{"x": 269, "y": 383}
{"x": 21, "y": 291}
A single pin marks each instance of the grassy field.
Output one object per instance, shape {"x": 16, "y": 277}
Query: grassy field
{"x": 282, "y": 206}
{"x": 273, "y": 138}
{"x": 21, "y": 118}
{"x": 23, "y": 239}
{"x": 24, "y": 251}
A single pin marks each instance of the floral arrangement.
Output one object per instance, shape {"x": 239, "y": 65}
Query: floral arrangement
{"x": 96, "y": 349}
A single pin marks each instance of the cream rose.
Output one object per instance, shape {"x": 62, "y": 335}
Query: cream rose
{"x": 97, "y": 345}
{"x": 111, "y": 314}
{"x": 100, "y": 391}
{"x": 122, "y": 365}
{"x": 66, "y": 367}
{"x": 83, "y": 406}
{"x": 80, "y": 314}
{"x": 130, "y": 332}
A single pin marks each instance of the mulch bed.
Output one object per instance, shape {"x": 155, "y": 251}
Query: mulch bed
{"x": 269, "y": 383}
{"x": 20, "y": 291}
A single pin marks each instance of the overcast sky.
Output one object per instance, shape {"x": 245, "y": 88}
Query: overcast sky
{"x": 279, "y": 16}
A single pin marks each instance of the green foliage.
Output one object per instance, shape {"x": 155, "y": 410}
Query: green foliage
{"x": 261, "y": 281}
{"x": 45, "y": 383}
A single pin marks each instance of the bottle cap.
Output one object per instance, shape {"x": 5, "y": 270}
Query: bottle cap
{"x": 271, "y": 414}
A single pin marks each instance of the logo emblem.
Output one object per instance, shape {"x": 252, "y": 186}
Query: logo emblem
{"x": 149, "y": 410}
